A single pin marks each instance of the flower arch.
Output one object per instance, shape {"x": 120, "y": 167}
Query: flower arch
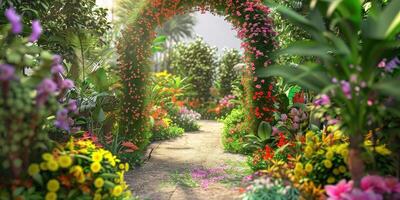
{"x": 254, "y": 26}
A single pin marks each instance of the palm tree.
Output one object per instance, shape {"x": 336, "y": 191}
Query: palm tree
{"x": 176, "y": 29}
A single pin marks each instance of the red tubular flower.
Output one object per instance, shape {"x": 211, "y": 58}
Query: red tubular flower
{"x": 282, "y": 140}
{"x": 269, "y": 153}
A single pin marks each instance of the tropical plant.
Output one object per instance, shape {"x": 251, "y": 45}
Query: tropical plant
{"x": 349, "y": 46}
{"x": 59, "y": 17}
{"x": 270, "y": 188}
{"x": 235, "y": 131}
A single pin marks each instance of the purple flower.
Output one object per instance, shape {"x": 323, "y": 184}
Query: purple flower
{"x": 57, "y": 59}
{"x": 72, "y": 106}
{"x": 47, "y": 86}
{"x": 36, "y": 31}
{"x": 44, "y": 89}
{"x": 323, "y": 100}
{"x": 67, "y": 84}
{"x": 393, "y": 64}
{"x": 284, "y": 117}
{"x": 62, "y": 120}
{"x": 15, "y": 20}
{"x": 346, "y": 88}
{"x": 57, "y": 69}
{"x": 6, "y": 72}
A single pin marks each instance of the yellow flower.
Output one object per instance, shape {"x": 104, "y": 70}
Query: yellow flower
{"x": 99, "y": 182}
{"x": 309, "y": 167}
{"x": 53, "y": 185}
{"x": 117, "y": 191}
{"x": 309, "y": 134}
{"x": 383, "y": 150}
{"x": 51, "y": 196}
{"x": 126, "y": 167}
{"x": 33, "y": 169}
{"x": 43, "y": 166}
{"x": 331, "y": 180}
{"x": 308, "y": 151}
{"x": 95, "y": 167}
{"x": 330, "y": 128}
{"x": 97, "y": 196}
{"x": 344, "y": 153}
{"x": 52, "y": 165}
{"x": 47, "y": 157}
{"x": 328, "y": 164}
{"x": 121, "y": 166}
{"x": 298, "y": 169}
{"x": 336, "y": 171}
{"x": 64, "y": 161}
{"x": 77, "y": 172}
{"x": 97, "y": 156}
{"x": 329, "y": 155}
{"x": 342, "y": 169}
{"x": 337, "y": 135}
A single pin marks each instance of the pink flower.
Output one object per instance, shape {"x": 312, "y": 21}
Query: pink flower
{"x": 324, "y": 100}
{"x": 393, "y": 184}
{"x": 374, "y": 183}
{"x": 335, "y": 191}
{"x": 358, "y": 194}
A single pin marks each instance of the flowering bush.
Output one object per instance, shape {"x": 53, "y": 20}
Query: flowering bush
{"x": 187, "y": 119}
{"x": 165, "y": 129}
{"x": 269, "y": 188}
{"x": 79, "y": 169}
{"x": 373, "y": 187}
{"x": 29, "y": 105}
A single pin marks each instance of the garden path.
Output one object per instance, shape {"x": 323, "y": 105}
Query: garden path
{"x": 167, "y": 174}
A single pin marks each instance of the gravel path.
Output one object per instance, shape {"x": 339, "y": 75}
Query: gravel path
{"x": 177, "y": 157}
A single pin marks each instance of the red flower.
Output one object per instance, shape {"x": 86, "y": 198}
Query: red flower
{"x": 269, "y": 154}
{"x": 282, "y": 140}
{"x": 131, "y": 147}
{"x": 299, "y": 98}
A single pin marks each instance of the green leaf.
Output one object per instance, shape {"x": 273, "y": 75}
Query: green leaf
{"x": 99, "y": 80}
{"x": 386, "y": 25}
{"x": 389, "y": 87}
{"x": 101, "y": 116}
{"x": 310, "y": 77}
{"x": 264, "y": 130}
{"x": 348, "y": 9}
{"x": 308, "y": 48}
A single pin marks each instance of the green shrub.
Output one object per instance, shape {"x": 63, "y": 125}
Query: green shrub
{"x": 196, "y": 60}
{"x": 234, "y": 131}
{"x": 166, "y": 132}
{"x": 227, "y": 75}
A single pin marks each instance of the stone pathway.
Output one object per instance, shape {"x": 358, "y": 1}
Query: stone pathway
{"x": 162, "y": 177}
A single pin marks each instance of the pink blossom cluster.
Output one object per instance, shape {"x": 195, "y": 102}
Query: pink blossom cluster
{"x": 226, "y": 101}
{"x": 372, "y": 188}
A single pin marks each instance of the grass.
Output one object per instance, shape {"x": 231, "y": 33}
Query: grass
{"x": 184, "y": 179}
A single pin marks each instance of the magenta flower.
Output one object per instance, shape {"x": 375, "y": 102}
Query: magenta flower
{"x": 14, "y": 19}
{"x": 346, "y": 88}
{"x": 375, "y": 183}
{"x": 6, "y": 72}
{"x": 393, "y": 184}
{"x": 336, "y": 191}
{"x": 323, "y": 100}
{"x": 36, "y": 31}
{"x": 357, "y": 194}
{"x": 57, "y": 69}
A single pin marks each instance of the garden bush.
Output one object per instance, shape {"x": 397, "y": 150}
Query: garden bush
{"x": 269, "y": 188}
{"x": 186, "y": 119}
{"x": 235, "y": 131}
{"x": 227, "y": 74}
{"x": 165, "y": 129}
{"x": 197, "y": 61}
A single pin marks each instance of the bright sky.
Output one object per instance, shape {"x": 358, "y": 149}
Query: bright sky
{"x": 216, "y": 31}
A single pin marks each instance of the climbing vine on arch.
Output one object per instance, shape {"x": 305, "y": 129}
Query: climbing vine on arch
{"x": 251, "y": 20}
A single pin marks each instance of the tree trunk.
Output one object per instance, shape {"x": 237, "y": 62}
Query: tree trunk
{"x": 356, "y": 163}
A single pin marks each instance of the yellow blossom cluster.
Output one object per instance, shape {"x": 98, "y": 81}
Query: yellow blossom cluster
{"x": 80, "y": 169}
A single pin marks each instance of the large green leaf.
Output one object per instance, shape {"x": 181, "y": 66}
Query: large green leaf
{"x": 308, "y": 48}
{"x": 309, "y": 77}
{"x": 264, "y": 130}
{"x": 99, "y": 80}
{"x": 389, "y": 87}
{"x": 386, "y": 25}
{"x": 350, "y": 9}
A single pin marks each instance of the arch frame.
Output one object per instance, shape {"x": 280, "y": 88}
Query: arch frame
{"x": 251, "y": 20}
